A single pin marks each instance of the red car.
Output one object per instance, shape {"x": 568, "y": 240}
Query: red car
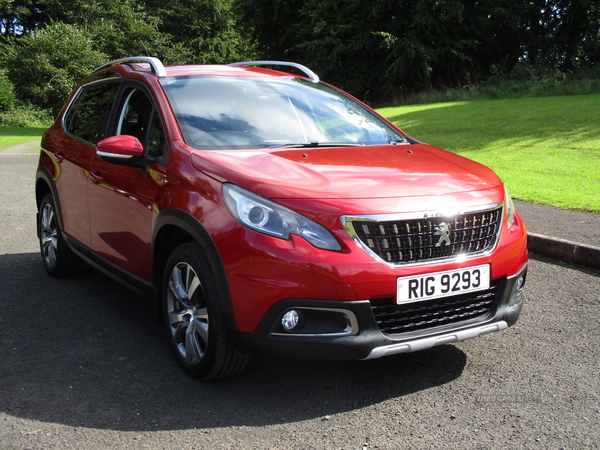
{"x": 266, "y": 212}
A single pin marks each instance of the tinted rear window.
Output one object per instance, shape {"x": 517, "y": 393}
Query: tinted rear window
{"x": 88, "y": 116}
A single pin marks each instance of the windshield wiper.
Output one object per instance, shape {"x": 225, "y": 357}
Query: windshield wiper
{"x": 317, "y": 144}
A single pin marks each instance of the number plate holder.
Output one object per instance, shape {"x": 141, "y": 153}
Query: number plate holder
{"x": 442, "y": 284}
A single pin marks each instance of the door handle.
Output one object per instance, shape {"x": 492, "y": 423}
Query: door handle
{"x": 96, "y": 177}
{"x": 59, "y": 157}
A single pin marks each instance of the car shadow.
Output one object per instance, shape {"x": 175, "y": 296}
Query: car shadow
{"x": 85, "y": 352}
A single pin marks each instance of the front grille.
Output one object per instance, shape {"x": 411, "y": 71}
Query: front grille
{"x": 428, "y": 239}
{"x": 395, "y": 319}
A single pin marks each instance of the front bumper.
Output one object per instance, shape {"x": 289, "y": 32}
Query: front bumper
{"x": 349, "y": 330}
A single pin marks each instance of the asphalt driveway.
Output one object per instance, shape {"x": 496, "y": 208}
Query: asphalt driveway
{"x": 82, "y": 366}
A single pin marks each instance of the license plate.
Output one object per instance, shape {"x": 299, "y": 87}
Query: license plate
{"x": 443, "y": 284}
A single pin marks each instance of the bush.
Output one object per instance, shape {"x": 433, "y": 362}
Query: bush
{"x": 27, "y": 116}
{"x": 7, "y": 92}
{"x": 524, "y": 81}
{"x": 45, "y": 66}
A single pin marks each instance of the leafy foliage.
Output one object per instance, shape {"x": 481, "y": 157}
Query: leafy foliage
{"x": 7, "y": 92}
{"x": 46, "y": 65}
{"x": 50, "y": 45}
{"x": 204, "y": 31}
{"x": 389, "y": 48}
{"x": 382, "y": 51}
{"x": 20, "y": 16}
{"x": 27, "y": 115}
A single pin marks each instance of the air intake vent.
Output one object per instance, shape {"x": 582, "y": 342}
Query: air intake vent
{"x": 397, "y": 319}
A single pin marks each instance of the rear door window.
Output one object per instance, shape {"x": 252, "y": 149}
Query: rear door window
{"x": 88, "y": 116}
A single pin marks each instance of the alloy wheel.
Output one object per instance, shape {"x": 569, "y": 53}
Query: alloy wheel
{"x": 48, "y": 235}
{"x": 187, "y": 313}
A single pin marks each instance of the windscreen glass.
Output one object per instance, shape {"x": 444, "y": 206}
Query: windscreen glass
{"x": 249, "y": 112}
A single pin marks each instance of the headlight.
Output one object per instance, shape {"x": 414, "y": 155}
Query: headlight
{"x": 510, "y": 209}
{"x": 265, "y": 216}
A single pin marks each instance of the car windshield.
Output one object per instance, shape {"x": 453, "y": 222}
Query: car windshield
{"x": 249, "y": 112}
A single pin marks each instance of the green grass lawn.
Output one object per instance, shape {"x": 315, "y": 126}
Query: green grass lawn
{"x": 10, "y": 136}
{"x": 546, "y": 150}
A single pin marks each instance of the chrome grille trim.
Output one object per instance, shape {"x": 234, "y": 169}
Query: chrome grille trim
{"x": 403, "y": 239}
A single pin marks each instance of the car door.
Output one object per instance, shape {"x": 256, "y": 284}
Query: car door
{"x": 85, "y": 123}
{"x": 121, "y": 198}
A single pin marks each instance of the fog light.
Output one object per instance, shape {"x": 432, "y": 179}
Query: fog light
{"x": 290, "y": 320}
{"x": 520, "y": 283}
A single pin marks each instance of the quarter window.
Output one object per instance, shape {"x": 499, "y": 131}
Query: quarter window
{"x": 140, "y": 118}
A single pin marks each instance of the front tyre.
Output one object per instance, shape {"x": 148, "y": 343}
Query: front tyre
{"x": 193, "y": 316}
{"x": 59, "y": 260}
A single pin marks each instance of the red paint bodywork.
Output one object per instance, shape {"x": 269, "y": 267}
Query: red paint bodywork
{"x": 112, "y": 209}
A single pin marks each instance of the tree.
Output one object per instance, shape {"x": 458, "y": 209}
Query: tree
{"x": 45, "y": 65}
{"x": 178, "y": 31}
{"x": 373, "y": 49}
{"x": 575, "y": 26}
{"x": 117, "y": 28}
{"x": 204, "y": 30}
{"x": 379, "y": 49}
{"x": 19, "y": 17}
{"x": 51, "y": 44}
{"x": 7, "y": 92}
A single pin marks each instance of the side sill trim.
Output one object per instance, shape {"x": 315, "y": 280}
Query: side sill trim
{"x": 131, "y": 282}
{"x": 425, "y": 343}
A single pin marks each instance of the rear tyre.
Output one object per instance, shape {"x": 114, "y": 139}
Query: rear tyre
{"x": 58, "y": 258}
{"x": 193, "y": 316}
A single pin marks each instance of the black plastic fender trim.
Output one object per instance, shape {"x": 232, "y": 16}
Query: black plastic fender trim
{"x": 44, "y": 174}
{"x": 188, "y": 223}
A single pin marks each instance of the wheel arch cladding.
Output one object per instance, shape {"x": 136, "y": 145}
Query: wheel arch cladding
{"x": 174, "y": 227}
{"x": 44, "y": 184}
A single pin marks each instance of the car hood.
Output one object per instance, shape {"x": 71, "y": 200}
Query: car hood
{"x": 388, "y": 171}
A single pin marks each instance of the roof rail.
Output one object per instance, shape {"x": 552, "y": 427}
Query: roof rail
{"x": 309, "y": 73}
{"x": 155, "y": 64}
